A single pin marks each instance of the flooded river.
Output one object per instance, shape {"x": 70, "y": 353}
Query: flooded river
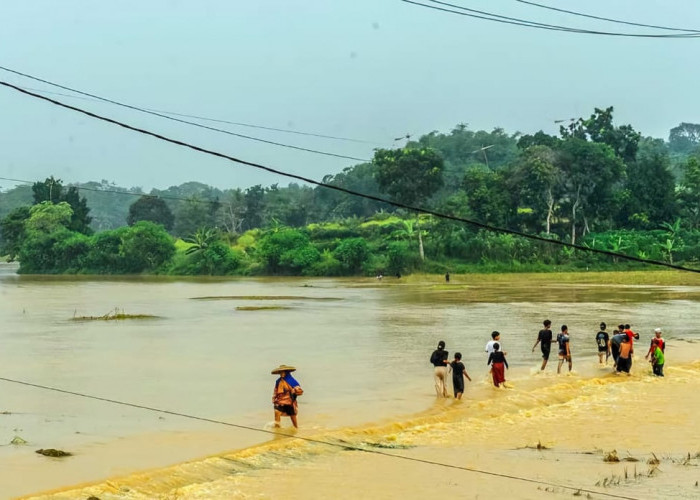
{"x": 361, "y": 348}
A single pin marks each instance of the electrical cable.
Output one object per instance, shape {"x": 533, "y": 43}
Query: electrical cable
{"x": 619, "y": 21}
{"x": 345, "y": 190}
{"x": 218, "y": 120}
{"x": 533, "y": 24}
{"x": 179, "y": 120}
{"x": 344, "y": 446}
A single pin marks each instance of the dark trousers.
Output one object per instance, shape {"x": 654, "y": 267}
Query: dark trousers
{"x": 658, "y": 370}
{"x": 624, "y": 364}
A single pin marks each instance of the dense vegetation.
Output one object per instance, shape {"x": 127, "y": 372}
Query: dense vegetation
{"x": 595, "y": 184}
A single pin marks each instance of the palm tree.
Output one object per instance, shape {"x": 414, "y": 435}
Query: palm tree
{"x": 201, "y": 239}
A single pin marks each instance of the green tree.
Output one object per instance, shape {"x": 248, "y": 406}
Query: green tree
{"x": 685, "y": 138}
{"x": 216, "y": 259}
{"x": 536, "y": 177}
{"x": 52, "y": 190}
{"x": 145, "y": 247}
{"x": 254, "y": 206}
{"x": 287, "y": 251}
{"x": 599, "y": 128}
{"x": 13, "y": 231}
{"x": 202, "y": 239}
{"x": 410, "y": 176}
{"x": 352, "y": 253}
{"x": 651, "y": 187}
{"x": 47, "y": 217}
{"x": 151, "y": 209}
{"x": 488, "y": 198}
{"x": 590, "y": 171}
{"x": 194, "y": 213}
{"x": 689, "y": 193}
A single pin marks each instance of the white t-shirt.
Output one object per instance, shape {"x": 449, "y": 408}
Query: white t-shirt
{"x": 489, "y": 346}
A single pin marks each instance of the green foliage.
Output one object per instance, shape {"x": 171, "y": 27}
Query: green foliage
{"x": 52, "y": 191}
{"x": 151, "y": 209}
{"x": 47, "y": 217}
{"x": 288, "y": 251}
{"x": 400, "y": 258}
{"x": 217, "y": 259}
{"x": 409, "y": 176}
{"x": 40, "y": 252}
{"x": 352, "y": 253}
{"x": 13, "y": 231}
{"x": 145, "y": 247}
{"x": 202, "y": 239}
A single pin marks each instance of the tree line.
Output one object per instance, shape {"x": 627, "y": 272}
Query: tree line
{"x": 595, "y": 183}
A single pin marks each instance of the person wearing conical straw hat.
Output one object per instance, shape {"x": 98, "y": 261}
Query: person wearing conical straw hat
{"x": 284, "y": 396}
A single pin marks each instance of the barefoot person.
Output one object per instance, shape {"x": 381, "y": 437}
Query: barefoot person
{"x": 624, "y": 361}
{"x": 497, "y": 360}
{"x": 615, "y": 343}
{"x": 657, "y": 358}
{"x": 284, "y": 396}
{"x": 564, "y": 348}
{"x": 439, "y": 361}
{"x": 603, "y": 340}
{"x": 459, "y": 371}
{"x": 544, "y": 338}
{"x": 659, "y": 340}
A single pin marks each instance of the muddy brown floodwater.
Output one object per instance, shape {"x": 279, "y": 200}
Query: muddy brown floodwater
{"x": 362, "y": 350}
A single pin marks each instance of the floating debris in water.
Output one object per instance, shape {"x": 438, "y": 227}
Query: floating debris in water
{"x": 51, "y": 452}
{"x": 18, "y": 440}
{"x": 263, "y": 297}
{"x": 388, "y": 446}
{"x": 116, "y": 315}
{"x": 261, "y": 308}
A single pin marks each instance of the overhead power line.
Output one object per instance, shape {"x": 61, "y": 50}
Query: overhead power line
{"x": 344, "y": 446}
{"x": 217, "y": 120}
{"x": 351, "y": 192}
{"x": 607, "y": 19}
{"x": 180, "y": 120}
{"x": 489, "y": 16}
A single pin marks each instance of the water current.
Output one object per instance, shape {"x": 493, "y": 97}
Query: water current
{"x": 361, "y": 347}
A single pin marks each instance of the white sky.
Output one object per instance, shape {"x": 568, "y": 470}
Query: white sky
{"x": 369, "y": 69}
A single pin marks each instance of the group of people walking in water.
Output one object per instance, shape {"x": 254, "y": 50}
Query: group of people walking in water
{"x": 619, "y": 346}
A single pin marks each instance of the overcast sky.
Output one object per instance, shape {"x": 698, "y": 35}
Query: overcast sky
{"x": 365, "y": 69}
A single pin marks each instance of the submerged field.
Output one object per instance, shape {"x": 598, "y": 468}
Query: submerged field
{"x": 363, "y": 362}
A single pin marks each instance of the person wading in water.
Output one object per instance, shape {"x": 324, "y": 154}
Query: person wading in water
{"x": 439, "y": 361}
{"x": 284, "y": 396}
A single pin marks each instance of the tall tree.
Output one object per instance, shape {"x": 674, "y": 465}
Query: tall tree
{"x": 599, "y": 128}
{"x": 689, "y": 193}
{"x": 52, "y": 190}
{"x": 536, "y": 177}
{"x": 590, "y": 171}
{"x": 254, "y": 206}
{"x": 651, "y": 186}
{"x": 151, "y": 209}
{"x": 409, "y": 176}
{"x": 685, "y": 138}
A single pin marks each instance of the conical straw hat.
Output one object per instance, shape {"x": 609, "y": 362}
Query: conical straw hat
{"x": 283, "y": 368}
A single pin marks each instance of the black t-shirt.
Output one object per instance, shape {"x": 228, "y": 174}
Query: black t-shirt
{"x": 439, "y": 357}
{"x": 545, "y": 338}
{"x": 562, "y": 340}
{"x": 497, "y": 357}
{"x": 457, "y": 369}
{"x": 602, "y": 340}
